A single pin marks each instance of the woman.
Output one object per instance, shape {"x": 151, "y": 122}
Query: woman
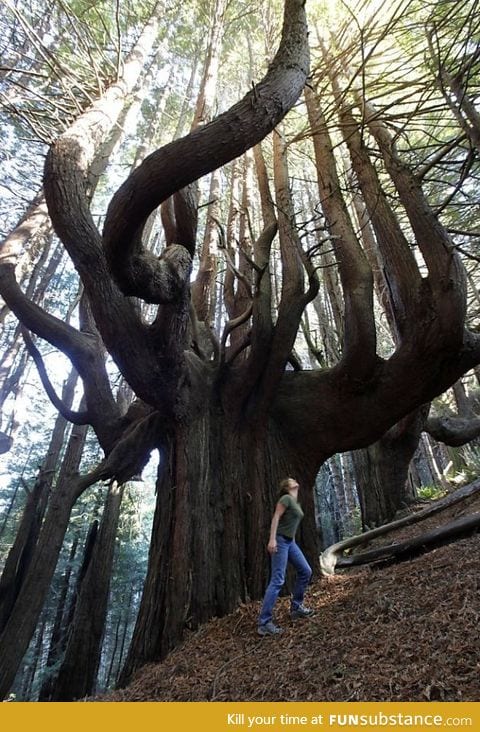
{"x": 283, "y": 549}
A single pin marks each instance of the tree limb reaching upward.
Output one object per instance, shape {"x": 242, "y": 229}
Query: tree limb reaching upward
{"x": 69, "y": 414}
{"x": 173, "y": 166}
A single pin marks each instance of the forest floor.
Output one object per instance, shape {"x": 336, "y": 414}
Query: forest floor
{"x": 403, "y": 632}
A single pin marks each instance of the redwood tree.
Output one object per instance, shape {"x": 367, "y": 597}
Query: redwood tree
{"x": 229, "y": 425}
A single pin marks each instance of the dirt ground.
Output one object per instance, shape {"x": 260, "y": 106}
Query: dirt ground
{"x": 404, "y": 632}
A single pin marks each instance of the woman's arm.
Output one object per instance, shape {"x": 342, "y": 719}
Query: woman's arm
{"x": 272, "y": 542}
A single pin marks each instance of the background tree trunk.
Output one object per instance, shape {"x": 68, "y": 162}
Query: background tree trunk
{"x": 381, "y": 471}
{"x": 78, "y": 672}
{"x": 23, "y": 618}
{"x": 20, "y": 555}
{"x": 57, "y": 637}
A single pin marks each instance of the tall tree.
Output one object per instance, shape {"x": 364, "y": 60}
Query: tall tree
{"x": 78, "y": 671}
{"x": 91, "y": 129}
{"x": 229, "y": 425}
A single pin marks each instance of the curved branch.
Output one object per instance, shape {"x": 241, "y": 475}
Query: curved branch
{"x": 69, "y": 414}
{"x": 67, "y": 175}
{"x": 454, "y": 431}
{"x": 262, "y": 322}
{"x": 61, "y": 335}
{"x": 185, "y": 204}
{"x": 132, "y": 451}
{"x": 268, "y": 362}
{"x": 167, "y": 216}
{"x": 238, "y": 349}
{"x": 230, "y": 263}
{"x": 179, "y": 163}
{"x": 81, "y": 347}
{"x": 400, "y": 269}
{"x": 446, "y": 271}
{"x": 179, "y": 215}
{"x": 230, "y": 326}
{"x": 359, "y": 346}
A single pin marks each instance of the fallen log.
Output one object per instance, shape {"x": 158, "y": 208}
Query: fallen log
{"x": 410, "y": 548}
{"x": 329, "y": 559}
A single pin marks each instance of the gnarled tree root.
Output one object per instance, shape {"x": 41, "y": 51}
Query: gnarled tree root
{"x": 331, "y": 557}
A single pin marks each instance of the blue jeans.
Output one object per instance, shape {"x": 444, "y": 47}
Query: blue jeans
{"x": 287, "y": 551}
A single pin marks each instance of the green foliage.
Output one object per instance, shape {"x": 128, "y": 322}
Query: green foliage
{"x": 430, "y": 492}
{"x": 57, "y": 61}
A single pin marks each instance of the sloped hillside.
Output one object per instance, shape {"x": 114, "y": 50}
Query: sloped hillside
{"x": 404, "y": 632}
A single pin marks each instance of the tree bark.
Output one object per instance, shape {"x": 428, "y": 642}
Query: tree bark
{"x": 21, "y": 624}
{"x": 77, "y": 676}
{"x": 381, "y": 471}
{"x": 20, "y": 555}
{"x": 57, "y": 637}
{"x": 216, "y": 494}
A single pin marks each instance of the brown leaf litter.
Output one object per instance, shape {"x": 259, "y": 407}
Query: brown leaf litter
{"x": 404, "y": 632}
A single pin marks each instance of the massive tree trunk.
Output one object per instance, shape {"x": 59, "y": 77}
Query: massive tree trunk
{"x": 216, "y": 494}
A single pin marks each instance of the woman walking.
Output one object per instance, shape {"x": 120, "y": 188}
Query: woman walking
{"x": 283, "y": 549}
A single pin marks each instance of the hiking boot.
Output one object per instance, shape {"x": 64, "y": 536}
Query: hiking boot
{"x": 301, "y": 612}
{"x": 269, "y": 629}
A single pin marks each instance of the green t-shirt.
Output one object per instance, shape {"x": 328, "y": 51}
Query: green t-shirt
{"x": 290, "y": 518}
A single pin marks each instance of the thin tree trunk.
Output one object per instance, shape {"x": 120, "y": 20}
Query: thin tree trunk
{"x": 78, "y": 673}
{"x": 208, "y": 86}
{"x": 29, "y": 677}
{"x": 57, "y": 638}
{"x": 23, "y": 618}
{"x": 338, "y": 488}
{"x": 113, "y": 650}
{"x": 21, "y": 553}
{"x": 127, "y": 620}
{"x": 9, "y": 509}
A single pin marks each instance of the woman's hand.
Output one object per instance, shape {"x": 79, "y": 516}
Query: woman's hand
{"x": 272, "y": 546}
